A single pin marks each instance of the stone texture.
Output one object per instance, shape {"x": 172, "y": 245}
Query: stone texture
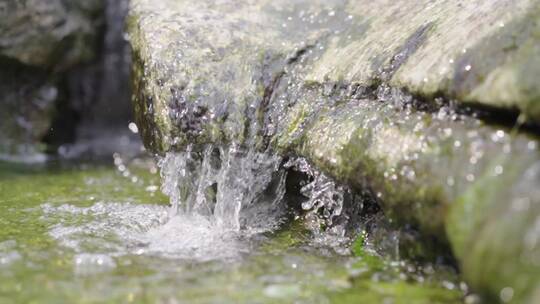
{"x": 41, "y": 42}
{"x": 49, "y": 33}
{"x": 330, "y": 81}
{"x": 479, "y": 52}
{"x": 26, "y": 107}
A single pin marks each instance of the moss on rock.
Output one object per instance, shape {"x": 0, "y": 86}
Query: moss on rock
{"x": 324, "y": 80}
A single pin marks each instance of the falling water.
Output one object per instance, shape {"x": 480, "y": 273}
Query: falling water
{"x": 220, "y": 182}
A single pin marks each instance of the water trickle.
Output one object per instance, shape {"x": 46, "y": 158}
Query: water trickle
{"x": 325, "y": 197}
{"x": 332, "y": 210}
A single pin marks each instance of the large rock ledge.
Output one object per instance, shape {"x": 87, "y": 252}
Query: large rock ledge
{"x": 325, "y": 80}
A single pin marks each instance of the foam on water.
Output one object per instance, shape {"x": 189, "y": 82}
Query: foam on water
{"x": 108, "y": 230}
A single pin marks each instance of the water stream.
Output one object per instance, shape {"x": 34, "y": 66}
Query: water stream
{"x": 228, "y": 231}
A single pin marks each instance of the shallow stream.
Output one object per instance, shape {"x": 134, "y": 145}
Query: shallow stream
{"x": 102, "y": 231}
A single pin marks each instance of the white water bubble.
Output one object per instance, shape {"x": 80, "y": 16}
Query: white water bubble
{"x": 506, "y": 294}
{"x": 133, "y": 127}
{"x": 89, "y": 264}
{"x": 282, "y": 290}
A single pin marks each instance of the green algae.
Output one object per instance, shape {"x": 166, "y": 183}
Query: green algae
{"x": 400, "y": 292}
{"x": 284, "y": 267}
{"x": 488, "y": 219}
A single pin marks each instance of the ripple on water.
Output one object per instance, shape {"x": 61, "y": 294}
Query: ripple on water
{"x": 8, "y": 253}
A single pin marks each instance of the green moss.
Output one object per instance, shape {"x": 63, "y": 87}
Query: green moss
{"x": 488, "y": 230}
{"x": 395, "y": 292}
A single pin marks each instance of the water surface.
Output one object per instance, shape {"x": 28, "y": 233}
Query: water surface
{"x": 102, "y": 232}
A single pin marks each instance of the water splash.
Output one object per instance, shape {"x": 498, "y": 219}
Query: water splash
{"x": 333, "y": 211}
{"x": 219, "y": 182}
{"x": 103, "y": 233}
{"x": 221, "y": 198}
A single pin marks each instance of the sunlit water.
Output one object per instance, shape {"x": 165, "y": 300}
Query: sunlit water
{"x": 100, "y": 233}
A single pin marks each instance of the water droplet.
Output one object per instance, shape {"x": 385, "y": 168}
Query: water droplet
{"x": 447, "y": 132}
{"x": 506, "y": 294}
{"x": 133, "y": 127}
{"x": 448, "y": 285}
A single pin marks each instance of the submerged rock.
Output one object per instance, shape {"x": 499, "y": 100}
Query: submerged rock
{"x": 328, "y": 80}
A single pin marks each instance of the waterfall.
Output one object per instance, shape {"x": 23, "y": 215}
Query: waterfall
{"x": 219, "y": 182}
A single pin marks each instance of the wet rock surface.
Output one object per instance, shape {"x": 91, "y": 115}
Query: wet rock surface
{"x": 332, "y": 80}
{"x": 63, "y": 64}
{"x": 26, "y": 107}
{"x": 39, "y": 42}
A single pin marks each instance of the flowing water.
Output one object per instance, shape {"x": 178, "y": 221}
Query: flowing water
{"x": 227, "y": 231}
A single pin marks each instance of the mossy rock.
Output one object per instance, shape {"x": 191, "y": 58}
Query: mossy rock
{"x": 326, "y": 80}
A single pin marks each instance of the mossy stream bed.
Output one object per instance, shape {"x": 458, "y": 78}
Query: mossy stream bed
{"x": 96, "y": 232}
